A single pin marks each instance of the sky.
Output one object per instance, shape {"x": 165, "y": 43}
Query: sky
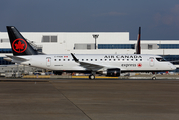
{"x": 158, "y": 19}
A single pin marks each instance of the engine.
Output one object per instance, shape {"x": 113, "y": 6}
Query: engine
{"x": 113, "y": 72}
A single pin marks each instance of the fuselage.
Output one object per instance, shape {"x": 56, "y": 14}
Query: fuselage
{"x": 125, "y": 62}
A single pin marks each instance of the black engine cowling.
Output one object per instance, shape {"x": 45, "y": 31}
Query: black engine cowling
{"x": 112, "y": 72}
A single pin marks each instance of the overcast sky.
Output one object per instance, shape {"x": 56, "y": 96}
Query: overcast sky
{"x": 159, "y": 19}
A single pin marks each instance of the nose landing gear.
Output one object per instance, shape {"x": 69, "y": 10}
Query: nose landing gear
{"x": 154, "y": 77}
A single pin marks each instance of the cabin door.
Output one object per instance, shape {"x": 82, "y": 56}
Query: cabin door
{"x": 48, "y": 61}
{"x": 151, "y": 61}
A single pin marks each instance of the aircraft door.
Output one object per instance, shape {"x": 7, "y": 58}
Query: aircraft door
{"x": 48, "y": 61}
{"x": 151, "y": 61}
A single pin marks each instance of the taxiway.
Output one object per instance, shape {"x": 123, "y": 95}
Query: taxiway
{"x": 83, "y": 99}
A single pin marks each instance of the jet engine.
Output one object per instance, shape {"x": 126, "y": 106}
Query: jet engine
{"x": 112, "y": 72}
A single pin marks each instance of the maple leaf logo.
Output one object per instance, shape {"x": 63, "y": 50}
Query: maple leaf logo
{"x": 19, "y": 45}
{"x": 139, "y": 65}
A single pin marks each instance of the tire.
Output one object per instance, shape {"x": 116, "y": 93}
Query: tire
{"x": 153, "y": 78}
{"x": 92, "y": 77}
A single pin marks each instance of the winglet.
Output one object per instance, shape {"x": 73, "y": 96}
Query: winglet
{"x": 76, "y": 60}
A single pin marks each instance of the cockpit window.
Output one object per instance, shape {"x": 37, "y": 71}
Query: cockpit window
{"x": 160, "y": 59}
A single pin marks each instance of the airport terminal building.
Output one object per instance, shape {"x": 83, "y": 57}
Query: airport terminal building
{"x": 91, "y": 43}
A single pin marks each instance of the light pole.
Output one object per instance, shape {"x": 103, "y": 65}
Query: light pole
{"x": 95, "y": 37}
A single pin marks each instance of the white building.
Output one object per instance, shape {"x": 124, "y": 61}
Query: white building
{"x": 84, "y": 43}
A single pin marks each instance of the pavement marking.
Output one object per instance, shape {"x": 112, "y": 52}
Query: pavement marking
{"x": 72, "y": 102}
{"x": 95, "y": 77}
{"x": 36, "y": 76}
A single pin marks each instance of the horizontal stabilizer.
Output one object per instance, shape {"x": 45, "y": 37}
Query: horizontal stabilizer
{"x": 15, "y": 58}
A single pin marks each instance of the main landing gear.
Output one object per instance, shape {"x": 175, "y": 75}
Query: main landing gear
{"x": 92, "y": 76}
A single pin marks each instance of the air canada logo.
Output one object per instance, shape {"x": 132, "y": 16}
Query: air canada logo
{"x": 19, "y": 45}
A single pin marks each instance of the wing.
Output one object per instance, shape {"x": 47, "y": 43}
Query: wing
{"x": 89, "y": 66}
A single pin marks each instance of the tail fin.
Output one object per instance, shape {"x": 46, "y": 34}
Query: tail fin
{"x": 19, "y": 44}
{"x": 138, "y": 48}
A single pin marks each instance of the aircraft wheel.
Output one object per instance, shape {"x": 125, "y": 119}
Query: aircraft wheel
{"x": 153, "y": 78}
{"x": 92, "y": 77}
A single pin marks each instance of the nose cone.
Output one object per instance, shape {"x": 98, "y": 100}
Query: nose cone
{"x": 173, "y": 67}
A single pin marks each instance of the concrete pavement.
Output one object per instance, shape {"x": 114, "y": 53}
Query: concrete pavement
{"x": 83, "y": 99}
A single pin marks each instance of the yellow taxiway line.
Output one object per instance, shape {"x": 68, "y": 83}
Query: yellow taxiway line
{"x": 95, "y": 77}
{"x": 48, "y": 76}
{"x": 36, "y": 76}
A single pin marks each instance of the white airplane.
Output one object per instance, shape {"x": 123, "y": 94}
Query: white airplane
{"x": 107, "y": 64}
{"x": 138, "y": 47}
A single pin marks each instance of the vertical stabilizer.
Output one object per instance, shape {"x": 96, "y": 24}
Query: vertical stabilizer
{"x": 138, "y": 47}
{"x": 19, "y": 44}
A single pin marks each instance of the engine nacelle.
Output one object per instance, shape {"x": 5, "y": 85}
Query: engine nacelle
{"x": 112, "y": 72}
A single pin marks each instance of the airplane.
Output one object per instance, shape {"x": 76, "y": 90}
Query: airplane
{"x": 107, "y": 64}
{"x": 138, "y": 47}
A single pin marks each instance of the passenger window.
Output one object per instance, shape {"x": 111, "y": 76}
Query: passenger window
{"x": 86, "y": 59}
{"x": 59, "y": 59}
{"x": 91, "y": 59}
{"x": 63, "y": 59}
{"x": 68, "y": 59}
{"x": 54, "y": 59}
{"x": 82, "y": 59}
{"x": 101, "y": 59}
{"x": 95, "y": 59}
{"x": 118, "y": 59}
